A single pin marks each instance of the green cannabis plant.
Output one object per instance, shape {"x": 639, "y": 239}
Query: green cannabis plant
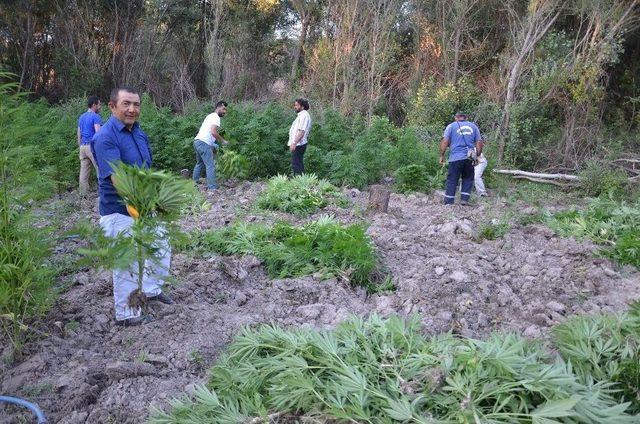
{"x": 299, "y": 195}
{"x": 322, "y": 246}
{"x": 26, "y": 278}
{"x": 607, "y": 222}
{"x": 387, "y": 371}
{"x": 233, "y": 165}
{"x": 155, "y": 200}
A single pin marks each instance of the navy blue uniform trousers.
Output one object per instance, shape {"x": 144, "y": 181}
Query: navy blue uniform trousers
{"x": 459, "y": 168}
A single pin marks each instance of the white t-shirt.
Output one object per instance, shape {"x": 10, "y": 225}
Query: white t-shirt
{"x": 302, "y": 122}
{"x": 204, "y": 134}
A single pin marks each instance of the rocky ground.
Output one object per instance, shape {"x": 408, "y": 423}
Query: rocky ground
{"x": 87, "y": 370}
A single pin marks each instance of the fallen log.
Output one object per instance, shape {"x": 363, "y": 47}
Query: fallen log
{"x": 542, "y": 180}
{"x": 541, "y": 176}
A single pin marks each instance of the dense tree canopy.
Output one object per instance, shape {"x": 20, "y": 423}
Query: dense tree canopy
{"x": 553, "y": 75}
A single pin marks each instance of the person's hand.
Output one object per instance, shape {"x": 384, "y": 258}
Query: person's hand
{"x": 224, "y": 142}
{"x": 292, "y": 147}
{"x": 442, "y": 162}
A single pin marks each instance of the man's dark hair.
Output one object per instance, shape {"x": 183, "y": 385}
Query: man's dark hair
{"x": 113, "y": 97}
{"x": 221, "y": 103}
{"x": 304, "y": 103}
{"x": 93, "y": 100}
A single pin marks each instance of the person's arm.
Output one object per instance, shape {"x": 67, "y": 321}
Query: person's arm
{"x": 218, "y": 137}
{"x": 478, "y": 139}
{"x": 302, "y": 125}
{"x": 79, "y": 137}
{"x": 479, "y": 147}
{"x": 443, "y": 148}
{"x": 297, "y": 139}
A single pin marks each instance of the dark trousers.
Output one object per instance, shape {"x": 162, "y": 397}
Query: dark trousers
{"x": 296, "y": 159}
{"x": 459, "y": 168}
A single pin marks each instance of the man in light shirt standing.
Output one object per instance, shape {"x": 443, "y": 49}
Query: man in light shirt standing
{"x": 298, "y": 135}
{"x": 206, "y": 146}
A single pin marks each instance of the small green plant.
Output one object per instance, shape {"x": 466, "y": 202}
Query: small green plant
{"x": 614, "y": 225}
{"x": 233, "y": 165}
{"x": 323, "y": 246}
{"x": 196, "y": 357}
{"x": 300, "y": 195}
{"x": 493, "y": 230}
{"x": 143, "y": 356}
{"x": 71, "y": 326}
{"x": 154, "y": 199}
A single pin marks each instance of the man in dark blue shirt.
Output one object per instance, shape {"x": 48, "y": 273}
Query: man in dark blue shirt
{"x": 88, "y": 124}
{"x": 122, "y": 140}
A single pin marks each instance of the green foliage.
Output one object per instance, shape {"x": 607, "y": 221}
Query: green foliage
{"x": 600, "y": 178}
{"x": 493, "y": 230}
{"x": 615, "y": 225}
{"x": 154, "y": 200}
{"x": 323, "y": 246}
{"x": 412, "y": 178}
{"x": 386, "y": 371}
{"x": 233, "y": 165}
{"x": 605, "y": 348}
{"x": 25, "y": 278}
{"x": 152, "y": 193}
{"x": 435, "y": 105}
{"x": 300, "y": 195}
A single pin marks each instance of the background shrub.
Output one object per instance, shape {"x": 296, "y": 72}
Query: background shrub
{"x": 412, "y": 178}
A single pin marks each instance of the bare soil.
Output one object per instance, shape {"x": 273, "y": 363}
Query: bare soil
{"x": 87, "y": 370}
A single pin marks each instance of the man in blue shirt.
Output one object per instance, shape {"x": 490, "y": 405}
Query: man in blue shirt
{"x": 465, "y": 145}
{"x": 122, "y": 140}
{"x": 88, "y": 124}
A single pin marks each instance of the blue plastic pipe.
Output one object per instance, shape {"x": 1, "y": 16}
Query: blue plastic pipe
{"x": 31, "y": 406}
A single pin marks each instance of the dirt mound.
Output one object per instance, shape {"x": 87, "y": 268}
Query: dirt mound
{"x": 89, "y": 370}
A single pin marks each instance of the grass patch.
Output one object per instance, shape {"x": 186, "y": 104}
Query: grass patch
{"x": 299, "y": 195}
{"x": 493, "y": 230}
{"x": 614, "y": 225}
{"x": 387, "y": 371}
{"x": 323, "y": 246}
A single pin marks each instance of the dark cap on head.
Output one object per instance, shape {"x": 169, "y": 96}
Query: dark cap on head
{"x": 461, "y": 114}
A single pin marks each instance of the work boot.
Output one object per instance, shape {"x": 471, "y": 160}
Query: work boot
{"x": 161, "y": 298}
{"x": 132, "y": 322}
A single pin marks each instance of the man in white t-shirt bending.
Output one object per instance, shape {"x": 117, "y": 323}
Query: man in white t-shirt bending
{"x": 206, "y": 146}
{"x": 298, "y": 135}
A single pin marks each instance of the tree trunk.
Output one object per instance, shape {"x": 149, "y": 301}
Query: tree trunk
{"x": 306, "y": 20}
{"x": 379, "y": 198}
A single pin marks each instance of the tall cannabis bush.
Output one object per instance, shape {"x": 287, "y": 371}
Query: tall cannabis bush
{"x": 25, "y": 278}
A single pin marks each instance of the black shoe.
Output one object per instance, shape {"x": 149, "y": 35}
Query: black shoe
{"x": 162, "y": 298}
{"x": 132, "y": 322}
